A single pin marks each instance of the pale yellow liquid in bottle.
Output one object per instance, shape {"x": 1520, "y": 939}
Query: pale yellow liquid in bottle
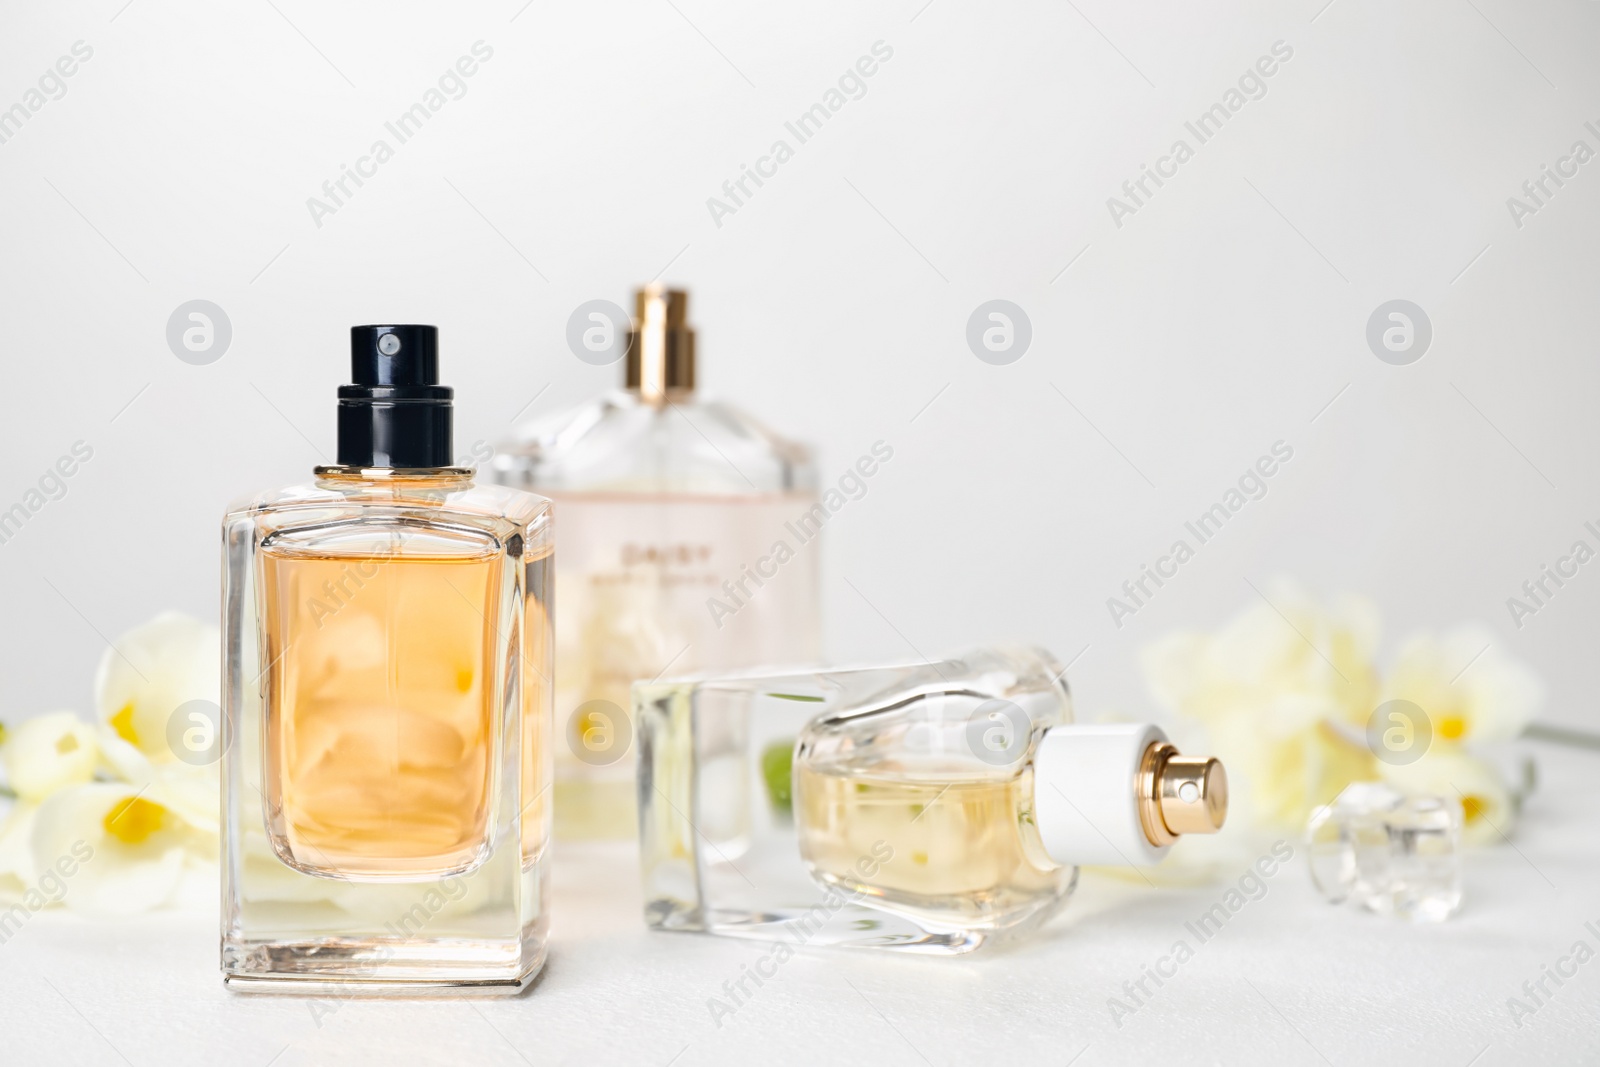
{"x": 379, "y": 708}
{"x": 966, "y": 849}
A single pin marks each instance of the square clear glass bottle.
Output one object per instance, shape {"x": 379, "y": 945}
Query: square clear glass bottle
{"x": 672, "y": 500}
{"x": 387, "y": 655}
{"x": 927, "y": 808}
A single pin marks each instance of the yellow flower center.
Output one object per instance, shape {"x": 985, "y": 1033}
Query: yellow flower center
{"x": 67, "y": 743}
{"x": 1452, "y": 727}
{"x": 1472, "y": 807}
{"x": 464, "y": 679}
{"x": 133, "y": 820}
{"x": 122, "y": 722}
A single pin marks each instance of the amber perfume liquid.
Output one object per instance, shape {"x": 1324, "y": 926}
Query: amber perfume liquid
{"x": 387, "y": 664}
{"x": 379, "y": 753}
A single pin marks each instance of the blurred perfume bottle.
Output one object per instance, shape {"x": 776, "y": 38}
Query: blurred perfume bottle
{"x": 686, "y": 528}
{"x": 1388, "y": 853}
{"x": 928, "y": 807}
{"x": 387, "y": 710}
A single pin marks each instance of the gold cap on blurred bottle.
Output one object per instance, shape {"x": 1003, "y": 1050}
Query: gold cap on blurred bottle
{"x": 1181, "y": 794}
{"x": 660, "y": 344}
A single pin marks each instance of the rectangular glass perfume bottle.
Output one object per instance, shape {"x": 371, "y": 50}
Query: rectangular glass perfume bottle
{"x": 387, "y": 665}
{"x": 930, "y": 807}
{"x": 695, "y": 528}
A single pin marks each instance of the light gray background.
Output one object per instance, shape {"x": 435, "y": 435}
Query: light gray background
{"x": 1211, "y": 324}
{"x": 1228, "y": 313}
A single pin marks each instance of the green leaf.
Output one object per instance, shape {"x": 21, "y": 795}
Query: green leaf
{"x": 777, "y": 771}
{"x": 798, "y": 696}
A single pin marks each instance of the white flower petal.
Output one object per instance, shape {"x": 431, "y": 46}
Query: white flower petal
{"x": 16, "y": 851}
{"x": 1468, "y": 687}
{"x": 48, "y": 753}
{"x": 125, "y": 853}
{"x": 1486, "y": 806}
{"x": 192, "y": 793}
{"x": 199, "y": 885}
{"x": 121, "y": 759}
{"x": 153, "y": 670}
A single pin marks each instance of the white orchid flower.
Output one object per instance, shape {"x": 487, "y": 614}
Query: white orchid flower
{"x": 47, "y": 753}
{"x": 1469, "y": 689}
{"x": 154, "y": 670}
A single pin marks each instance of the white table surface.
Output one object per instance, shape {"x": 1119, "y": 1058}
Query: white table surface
{"x": 1288, "y": 980}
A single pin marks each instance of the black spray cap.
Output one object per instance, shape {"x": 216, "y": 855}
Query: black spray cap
{"x": 396, "y": 414}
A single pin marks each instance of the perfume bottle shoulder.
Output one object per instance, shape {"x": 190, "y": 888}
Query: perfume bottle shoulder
{"x": 684, "y": 443}
{"x": 985, "y": 670}
{"x": 737, "y": 423}
{"x": 568, "y": 427}
{"x": 457, "y": 499}
{"x": 491, "y": 500}
{"x": 621, "y": 420}
{"x": 282, "y": 498}
{"x": 1024, "y": 674}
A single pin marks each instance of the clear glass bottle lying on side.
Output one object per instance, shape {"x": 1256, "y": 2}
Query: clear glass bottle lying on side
{"x": 387, "y": 648}
{"x": 677, "y": 505}
{"x": 929, "y": 807}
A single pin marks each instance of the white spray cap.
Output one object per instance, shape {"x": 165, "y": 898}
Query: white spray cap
{"x": 1118, "y": 794}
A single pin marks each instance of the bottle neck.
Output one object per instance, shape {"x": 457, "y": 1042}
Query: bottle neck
{"x": 660, "y": 397}
{"x": 1118, "y": 794}
{"x": 660, "y": 367}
